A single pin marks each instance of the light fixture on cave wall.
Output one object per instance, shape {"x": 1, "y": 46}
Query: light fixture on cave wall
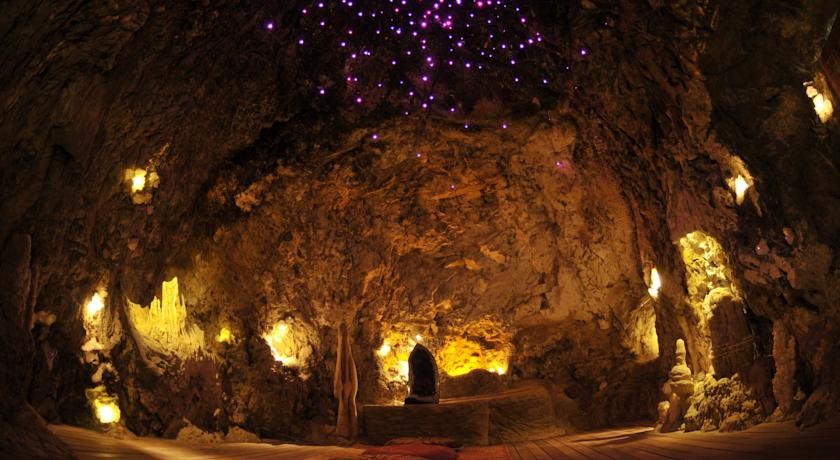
{"x": 225, "y": 335}
{"x": 817, "y": 90}
{"x": 654, "y": 282}
{"x": 93, "y": 312}
{"x": 739, "y": 180}
{"x": 140, "y": 182}
{"x": 105, "y": 406}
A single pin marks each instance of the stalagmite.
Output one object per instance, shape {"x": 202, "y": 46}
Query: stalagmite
{"x": 345, "y": 386}
{"x": 677, "y": 389}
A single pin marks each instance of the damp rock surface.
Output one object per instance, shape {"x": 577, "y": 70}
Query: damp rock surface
{"x": 511, "y": 225}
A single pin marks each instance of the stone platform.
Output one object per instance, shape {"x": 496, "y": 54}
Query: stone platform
{"x": 514, "y": 415}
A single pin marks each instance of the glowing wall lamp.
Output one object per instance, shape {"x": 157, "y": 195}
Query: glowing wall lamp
{"x": 138, "y": 180}
{"x": 822, "y": 103}
{"x": 655, "y": 283}
{"x": 105, "y": 407}
{"x": 94, "y": 306}
{"x": 107, "y": 411}
{"x": 225, "y": 336}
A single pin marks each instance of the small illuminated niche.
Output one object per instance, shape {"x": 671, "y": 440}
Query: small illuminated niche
{"x": 107, "y": 411}
{"x": 92, "y": 320}
{"x": 95, "y": 305}
{"x": 655, "y": 283}
{"x": 706, "y": 269}
{"x": 821, "y": 100}
{"x": 739, "y": 186}
{"x": 105, "y": 407}
{"x": 282, "y": 345}
{"x": 739, "y": 180}
{"x": 224, "y": 336}
{"x": 138, "y": 180}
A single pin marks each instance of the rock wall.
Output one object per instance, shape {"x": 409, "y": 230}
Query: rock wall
{"x": 273, "y": 206}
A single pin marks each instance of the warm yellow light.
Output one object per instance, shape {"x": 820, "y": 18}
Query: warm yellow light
{"x": 107, "y": 410}
{"x": 225, "y": 336}
{"x": 94, "y": 306}
{"x": 384, "y": 350}
{"x": 822, "y": 104}
{"x": 418, "y": 338}
{"x": 281, "y": 344}
{"x": 460, "y": 356}
{"x": 655, "y": 283}
{"x": 823, "y": 107}
{"x": 404, "y": 370}
{"x": 393, "y": 355}
{"x": 163, "y": 326}
{"x": 138, "y": 180}
{"x": 741, "y": 187}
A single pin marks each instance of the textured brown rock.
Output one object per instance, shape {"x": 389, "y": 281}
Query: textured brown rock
{"x": 524, "y": 250}
{"x": 23, "y": 432}
{"x": 725, "y": 404}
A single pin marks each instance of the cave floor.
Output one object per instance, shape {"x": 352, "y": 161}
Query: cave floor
{"x": 769, "y": 440}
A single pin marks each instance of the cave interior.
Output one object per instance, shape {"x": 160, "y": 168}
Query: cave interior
{"x": 284, "y": 221}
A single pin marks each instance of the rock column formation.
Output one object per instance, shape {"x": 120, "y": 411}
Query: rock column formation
{"x": 345, "y": 386}
{"x": 677, "y": 389}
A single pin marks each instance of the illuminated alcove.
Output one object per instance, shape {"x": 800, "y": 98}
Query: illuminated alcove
{"x": 717, "y": 303}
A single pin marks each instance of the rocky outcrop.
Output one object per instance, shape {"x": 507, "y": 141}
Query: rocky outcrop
{"x": 724, "y": 404}
{"x": 539, "y": 210}
{"x": 23, "y": 433}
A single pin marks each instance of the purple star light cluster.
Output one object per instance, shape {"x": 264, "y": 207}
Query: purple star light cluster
{"x": 437, "y": 56}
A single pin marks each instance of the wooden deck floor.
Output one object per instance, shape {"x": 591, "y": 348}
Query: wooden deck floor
{"x": 769, "y": 440}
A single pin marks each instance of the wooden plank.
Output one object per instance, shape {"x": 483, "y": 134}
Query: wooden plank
{"x": 536, "y": 452}
{"x": 644, "y": 445}
{"x": 676, "y": 451}
{"x": 553, "y": 450}
{"x": 630, "y": 452}
{"x": 585, "y": 450}
{"x": 522, "y": 452}
{"x": 608, "y": 434}
{"x": 710, "y": 449}
{"x": 513, "y": 453}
